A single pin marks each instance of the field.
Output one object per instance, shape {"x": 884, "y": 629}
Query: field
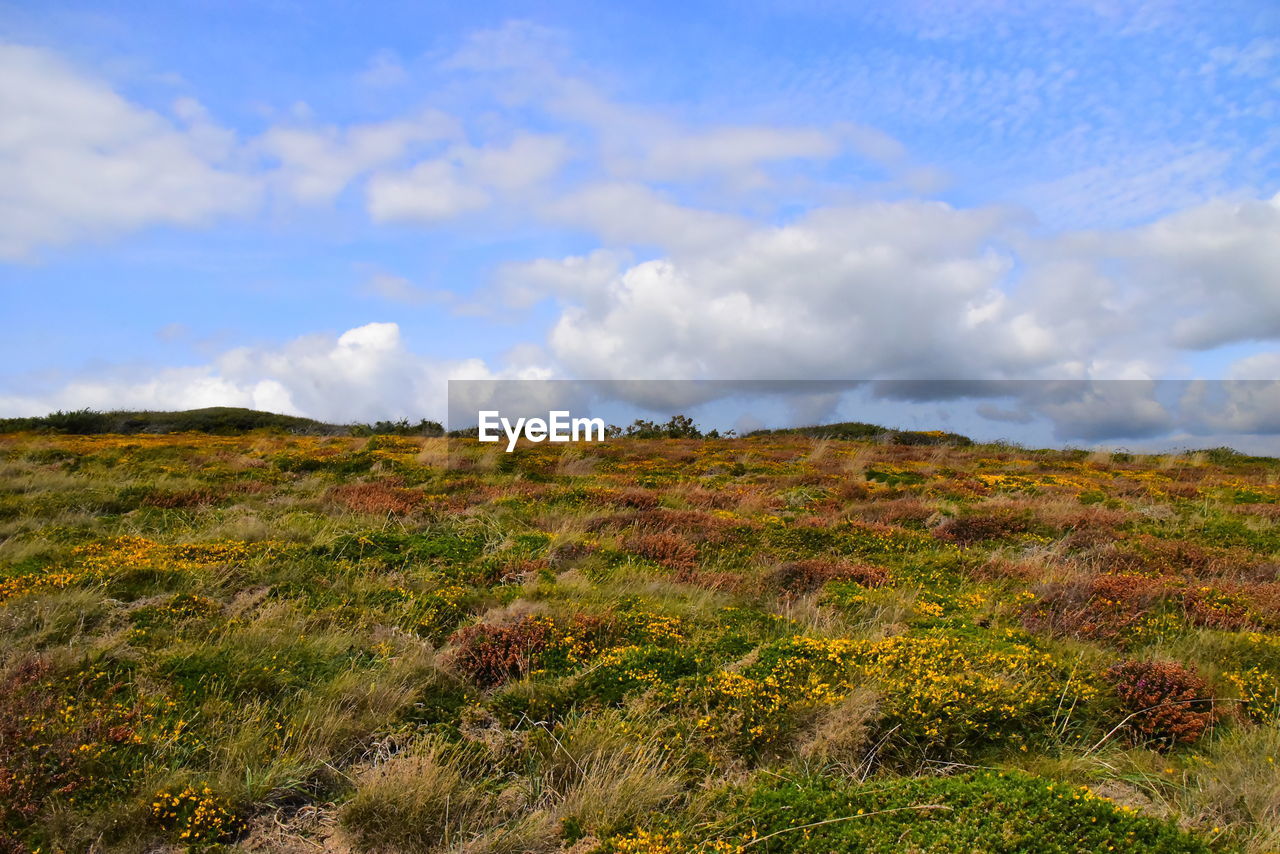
{"x": 280, "y": 643}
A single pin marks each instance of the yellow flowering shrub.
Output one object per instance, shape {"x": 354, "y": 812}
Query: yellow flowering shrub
{"x": 1259, "y": 688}
{"x": 193, "y": 815}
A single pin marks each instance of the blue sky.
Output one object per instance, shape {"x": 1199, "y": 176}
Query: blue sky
{"x": 332, "y": 208}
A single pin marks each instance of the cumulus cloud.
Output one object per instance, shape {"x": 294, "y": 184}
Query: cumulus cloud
{"x": 904, "y": 289}
{"x": 1222, "y": 261}
{"x": 1095, "y": 411}
{"x": 1141, "y": 298}
{"x": 1260, "y": 366}
{"x": 79, "y": 161}
{"x": 366, "y": 373}
{"x": 1234, "y": 407}
{"x": 1248, "y": 401}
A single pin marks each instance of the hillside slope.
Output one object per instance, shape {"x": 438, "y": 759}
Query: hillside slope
{"x": 274, "y": 643}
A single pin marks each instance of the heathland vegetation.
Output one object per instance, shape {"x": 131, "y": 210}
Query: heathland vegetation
{"x": 787, "y": 642}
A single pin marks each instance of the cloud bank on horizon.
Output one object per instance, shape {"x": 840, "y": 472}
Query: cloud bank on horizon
{"x": 336, "y": 226}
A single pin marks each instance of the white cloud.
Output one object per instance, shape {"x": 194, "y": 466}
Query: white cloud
{"x": 577, "y": 277}
{"x": 384, "y": 70}
{"x": 464, "y": 180}
{"x": 429, "y": 192}
{"x": 1220, "y": 265}
{"x": 316, "y": 164}
{"x": 630, "y": 214}
{"x": 173, "y": 388}
{"x": 1109, "y": 409}
{"x": 367, "y": 373}
{"x": 393, "y": 288}
{"x": 733, "y": 149}
{"x": 1259, "y": 58}
{"x": 1260, "y": 366}
{"x": 529, "y": 160}
{"x": 1236, "y": 406}
{"x": 906, "y": 289}
{"x": 78, "y": 161}
{"x": 636, "y": 143}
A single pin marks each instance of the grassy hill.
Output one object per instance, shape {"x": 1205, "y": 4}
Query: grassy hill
{"x": 862, "y": 430}
{"x": 215, "y": 420}
{"x": 287, "y": 643}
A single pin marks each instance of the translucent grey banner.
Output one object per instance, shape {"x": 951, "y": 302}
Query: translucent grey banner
{"x": 1136, "y": 415}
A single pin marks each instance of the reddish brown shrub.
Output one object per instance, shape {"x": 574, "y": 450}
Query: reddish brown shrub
{"x": 517, "y": 570}
{"x": 801, "y": 577}
{"x": 852, "y": 490}
{"x": 1264, "y": 602}
{"x": 896, "y": 512}
{"x": 670, "y": 550}
{"x": 1168, "y": 703}
{"x": 693, "y": 525}
{"x": 45, "y": 741}
{"x": 1182, "y": 557}
{"x": 1089, "y": 539}
{"x": 715, "y": 499}
{"x": 378, "y": 498}
{"x": 1233, "y": 606}
{"x": 492, "y": 654}
{"x": 1083, "y": 520}
{"x": 1105, "y": 608}
{"x": 636, "y": 497}
{"x": 975, "y": 527}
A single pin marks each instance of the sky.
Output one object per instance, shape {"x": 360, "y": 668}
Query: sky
{"x": 333, "y": 208}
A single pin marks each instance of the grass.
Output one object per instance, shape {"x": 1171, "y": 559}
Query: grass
{"x": 785, "y": 642}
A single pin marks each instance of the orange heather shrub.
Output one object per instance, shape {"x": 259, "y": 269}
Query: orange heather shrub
{"x": 897, "y": 511}
{"x": 806, "y": 576}
{"x": 715, "y": 499}
{"x": 1151, "y": 555}
{"x": 1104, "y": 608}
{"x": 976, "y": 527}
{"x": 491, "y": 654}
{"x": 1169, "y": 703}
{"x": 1217, "y": 607}
{"x": 693, "y": 525}
{"x": 670, "y": 550}
{"x": 637, "y": 497}
{"x": 378, "y": 498}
